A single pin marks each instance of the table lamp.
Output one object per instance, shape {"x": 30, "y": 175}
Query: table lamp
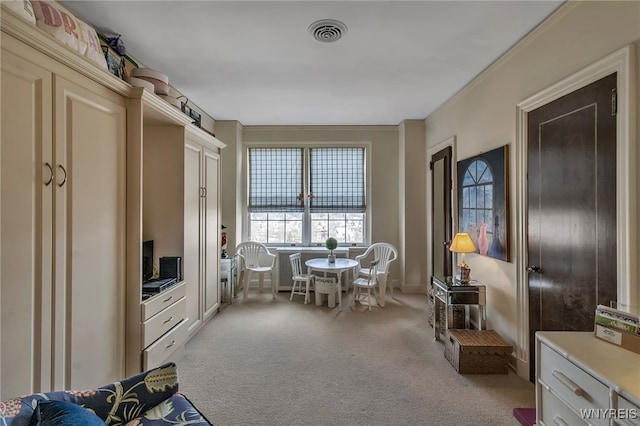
{"x": 462, "y": 244}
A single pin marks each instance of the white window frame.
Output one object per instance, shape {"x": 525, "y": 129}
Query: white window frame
{"x": 306, "y": 221}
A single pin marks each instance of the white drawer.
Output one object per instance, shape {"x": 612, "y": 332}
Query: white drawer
{"x": 160, "y": 301}
{"x": 556, "y": 413}
{"x": 573, "y": 385}
{"x": 166, "y": 346}
{"x": 629, "y": 411}
{"x": 163, "y": 321}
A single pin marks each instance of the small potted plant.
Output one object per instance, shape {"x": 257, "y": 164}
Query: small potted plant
{"x": 331, "y": 244}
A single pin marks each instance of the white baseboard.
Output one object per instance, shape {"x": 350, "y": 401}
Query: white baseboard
{"x": 413, "y": 289}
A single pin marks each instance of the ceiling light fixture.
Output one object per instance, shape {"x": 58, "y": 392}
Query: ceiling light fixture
{"x": 327, "y": 30}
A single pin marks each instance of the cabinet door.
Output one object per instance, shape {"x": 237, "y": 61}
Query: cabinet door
{"x": 212, "y": 233}
{"x": 26, "y": 230}
{"x": 193, "y": 192}
{"x": 90, "y": 208}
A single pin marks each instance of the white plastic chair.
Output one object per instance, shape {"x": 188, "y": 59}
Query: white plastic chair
{"x": 369, "y": 283}
{"x": 249, "y": 253}
{"x": 299, "y": 277}
{"x": 385, "y": 253}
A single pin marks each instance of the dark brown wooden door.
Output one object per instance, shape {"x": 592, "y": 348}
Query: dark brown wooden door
{"x": 572, "y": 209}
{"x": 441, "y": 203}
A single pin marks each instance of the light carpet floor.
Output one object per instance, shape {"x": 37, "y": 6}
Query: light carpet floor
{"x": 276, "y": 362}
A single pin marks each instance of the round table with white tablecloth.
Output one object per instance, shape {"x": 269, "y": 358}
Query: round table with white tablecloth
{"x": 338, "y": 267}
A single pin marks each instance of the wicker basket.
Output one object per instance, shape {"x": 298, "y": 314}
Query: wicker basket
{"x": 430, "y": 307}
{"x": 477, "y": 352}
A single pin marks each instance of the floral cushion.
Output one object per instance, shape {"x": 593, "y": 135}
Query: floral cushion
{"x": 117, "y": 403}
{"x": 177, "y": 410}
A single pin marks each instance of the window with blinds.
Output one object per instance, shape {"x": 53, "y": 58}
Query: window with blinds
{"x": 302, "y": 196}
{"x": 275, "y": 179}
{"x": 337, "y": 180}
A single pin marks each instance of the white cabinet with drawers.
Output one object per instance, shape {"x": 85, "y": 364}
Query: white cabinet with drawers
{"x": 164, "y": 330}
{"x": 582, "y": 380}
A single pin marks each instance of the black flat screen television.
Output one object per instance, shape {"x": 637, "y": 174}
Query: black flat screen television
{"x": 147, "y": 260}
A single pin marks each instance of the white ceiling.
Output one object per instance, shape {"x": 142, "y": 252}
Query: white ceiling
{"x": 255, "y": 62}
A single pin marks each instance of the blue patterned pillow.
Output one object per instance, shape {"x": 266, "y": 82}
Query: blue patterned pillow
{"x": 61, "y": 413}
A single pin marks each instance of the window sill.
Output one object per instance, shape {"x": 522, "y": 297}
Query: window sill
{"x": 295, "y": 249}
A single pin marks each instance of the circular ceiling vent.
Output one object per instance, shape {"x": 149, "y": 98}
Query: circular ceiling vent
{"x": 327, "y": 30}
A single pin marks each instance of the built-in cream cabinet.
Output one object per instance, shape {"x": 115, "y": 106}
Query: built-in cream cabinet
{"x": 582, "y": 380}
{"x": 201, "y": 229}
{"x": 173, "y": 200}
{"x": 164, "y": 330}
{"x": 63, "y": 228}
{"x": 90, "y": 168}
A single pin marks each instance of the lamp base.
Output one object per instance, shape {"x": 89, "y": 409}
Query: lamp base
{"x": 464, "y": 272}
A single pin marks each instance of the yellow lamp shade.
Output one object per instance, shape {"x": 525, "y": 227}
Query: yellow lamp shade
{"x": 462, "y": 243}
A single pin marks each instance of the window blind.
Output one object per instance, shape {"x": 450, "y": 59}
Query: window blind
{"x": 275, "y": 179}
{"x": 337, "y": 180}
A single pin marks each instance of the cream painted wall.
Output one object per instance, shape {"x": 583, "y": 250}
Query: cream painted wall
{"x": 230, "y": 132}
{"x": 482, "y": 116}
{"x": 412, "y": 193}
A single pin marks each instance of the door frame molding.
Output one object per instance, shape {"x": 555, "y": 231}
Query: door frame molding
{"x": 431, "y": 151}
{"x": 622, "y": 62}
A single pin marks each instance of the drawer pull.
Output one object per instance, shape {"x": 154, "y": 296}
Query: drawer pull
{"x": 567, "y": 382}
{"x": 173, "y": 342}
{"x": 559, "y": 421}
{"x": 168, "y": 319}
{"x": 167, "y": 299}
